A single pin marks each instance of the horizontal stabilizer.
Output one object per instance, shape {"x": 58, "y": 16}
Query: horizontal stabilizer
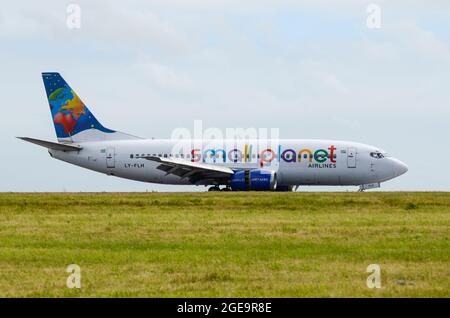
{"x": 52, "y": 145}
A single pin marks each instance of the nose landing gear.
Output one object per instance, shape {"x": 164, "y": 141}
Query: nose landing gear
{"x": 368, "y": 186}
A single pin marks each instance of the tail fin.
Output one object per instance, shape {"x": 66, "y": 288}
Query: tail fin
{"x": 72, "y": 119}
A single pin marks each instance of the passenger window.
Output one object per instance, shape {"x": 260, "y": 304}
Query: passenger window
{"x": 165, "y": 155}
{"x": 131, "y": 156}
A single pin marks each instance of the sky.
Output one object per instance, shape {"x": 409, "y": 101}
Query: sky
{"x": 312, "y": 69}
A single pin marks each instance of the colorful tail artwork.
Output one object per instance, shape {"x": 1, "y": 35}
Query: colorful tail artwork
{"x": 70, "y": 115}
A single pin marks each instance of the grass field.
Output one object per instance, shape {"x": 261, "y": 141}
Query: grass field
{"x": 225, "y": 244}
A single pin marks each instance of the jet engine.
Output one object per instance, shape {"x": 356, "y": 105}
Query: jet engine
{"x": 254, "y": 180}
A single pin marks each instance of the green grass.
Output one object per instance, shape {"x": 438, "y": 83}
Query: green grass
{"x": 225, "y": 244}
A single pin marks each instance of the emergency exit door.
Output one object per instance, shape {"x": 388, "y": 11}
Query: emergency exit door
{"x": 351, "y": 157}
{"x": 110, "y": 158}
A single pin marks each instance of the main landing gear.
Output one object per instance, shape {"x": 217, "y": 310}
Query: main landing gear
{"x": 216, "y": 188}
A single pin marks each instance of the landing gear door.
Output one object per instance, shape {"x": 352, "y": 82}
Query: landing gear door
{"x": 351, "y": 158}
{"x": 110, "y": 158}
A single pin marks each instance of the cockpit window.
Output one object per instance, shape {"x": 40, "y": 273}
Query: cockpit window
{"x": 376, "y": 154}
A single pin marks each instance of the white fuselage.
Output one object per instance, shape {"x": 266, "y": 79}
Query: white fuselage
{"x": 296, "y": 161}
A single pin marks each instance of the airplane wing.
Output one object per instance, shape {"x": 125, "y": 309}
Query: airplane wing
{"x": 52, "y": 145}
{"x": 197, "y": 173}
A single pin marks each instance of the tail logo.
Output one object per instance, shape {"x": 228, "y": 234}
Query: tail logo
{"x": 70, "y": 109}
{"x": 73, "y": 105}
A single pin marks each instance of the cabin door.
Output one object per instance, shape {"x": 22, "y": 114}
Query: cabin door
{"x": 351, "y": 158}
{"x": 110, "y": 158}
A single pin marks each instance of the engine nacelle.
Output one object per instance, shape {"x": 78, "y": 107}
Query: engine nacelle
{"x": 254, "y": 180}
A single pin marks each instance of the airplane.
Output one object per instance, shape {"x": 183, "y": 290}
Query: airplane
{"x": 227, "y": 165}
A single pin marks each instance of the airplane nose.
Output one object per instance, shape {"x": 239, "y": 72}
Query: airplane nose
{"x": 399, "y": 167}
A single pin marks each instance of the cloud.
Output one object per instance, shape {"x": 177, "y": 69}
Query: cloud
{"x": 321, "y": 77}
{"x": 102, "y": 24}
{"x": 140, "y": 28}
{"x": 164, "y": 77}
{"x": 348, "y": 123}
{"x": 330, "y": 80}
{"x": 422, "y": 42}
{"x": 20, "y": 24}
